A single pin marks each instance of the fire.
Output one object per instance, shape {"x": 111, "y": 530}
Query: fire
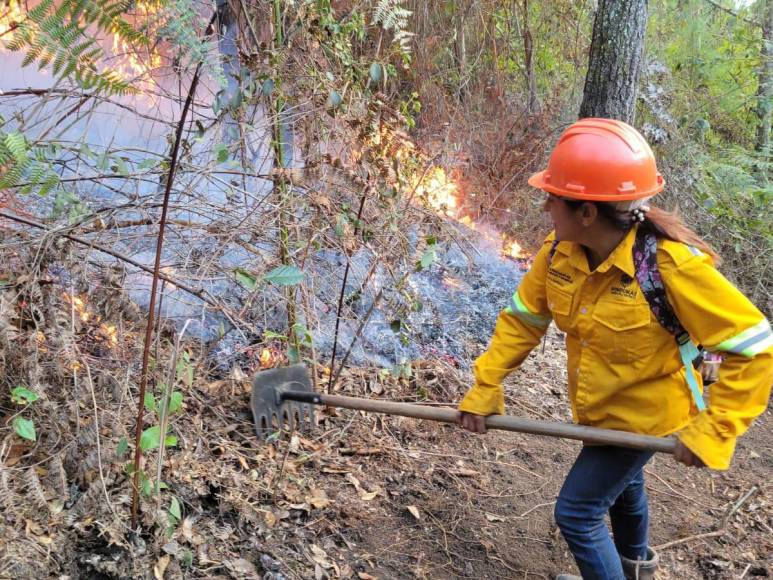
{"x": 438, "y": 191}
{"x": 10, "y": 16}
{"x": 109, "y": 333}
{"x": 130, "y": 63}
{"x": 79, "y": 306}
{"x": 441, "y": 193}
{"x": 514, "y": 250}
{"x": 267, "y": 358}
{"x": 104, "y": 332}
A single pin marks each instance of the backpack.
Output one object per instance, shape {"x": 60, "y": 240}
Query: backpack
{"x": 651, "y": 283}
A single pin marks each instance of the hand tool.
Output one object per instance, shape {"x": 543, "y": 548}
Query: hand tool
{"x": 284, "y": 397}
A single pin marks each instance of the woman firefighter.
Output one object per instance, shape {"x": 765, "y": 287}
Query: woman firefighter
{"x": 635, "y": 291}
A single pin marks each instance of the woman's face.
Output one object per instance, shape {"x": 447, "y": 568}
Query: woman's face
{"x": 566, "y": 221}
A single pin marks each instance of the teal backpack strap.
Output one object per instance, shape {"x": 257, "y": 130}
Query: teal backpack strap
{"x": 690, "y": 353}
{"x": 651, "y": 283}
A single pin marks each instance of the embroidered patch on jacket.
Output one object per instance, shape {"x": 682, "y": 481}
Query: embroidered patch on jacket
{"x": 624, "y": 292}
{"x": 559, "y": 277}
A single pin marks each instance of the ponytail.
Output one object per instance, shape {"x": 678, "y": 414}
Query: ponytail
{"x": 666, "y": 224}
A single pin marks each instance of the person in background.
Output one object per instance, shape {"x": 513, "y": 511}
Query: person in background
{"x": 634, "y": 290}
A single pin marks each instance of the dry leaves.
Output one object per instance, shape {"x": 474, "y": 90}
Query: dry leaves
{"x": 365, "y": 495}
{"x": 160, "y": 567}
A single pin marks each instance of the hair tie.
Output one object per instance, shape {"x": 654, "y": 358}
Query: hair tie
{"x": 639, "y": 214}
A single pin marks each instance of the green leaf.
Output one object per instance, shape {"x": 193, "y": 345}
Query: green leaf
{"x": 186, "y": 560}
{"x": 396, "y": 325}
{"x": 429, "y": 257}
{"x": 219, "y": 103}
{"x": 334, "y": 100}
{"x": 147, "y": 163}
{"x": 376, "y": 72}
{"x": 23, "y": 396}
{"x": 340, "y": 227}
{"x": 184, "y": 370}
{"x": 221, "y": 153}
{"x": 170, "y": 441}
{"x": 146, "y": 487}
{"x": 150, "y": 438}
{"x": 121, "y": 167}
{"x": 123, "y": 447}
{"x": 174, "y": 509}
{"x": 245, "y": 278}
{"x": 285, "y": 276}
{"x": 175, "y": 402}
{"x": 269, "y": 334}
{"x": 25, "y": 428}
{"x": 268, "y": 87}
{"x": 150, "y": 402}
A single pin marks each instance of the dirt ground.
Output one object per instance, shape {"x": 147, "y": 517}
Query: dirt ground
{"x": 360, "y": 496}
{"x": 458, "y": 505}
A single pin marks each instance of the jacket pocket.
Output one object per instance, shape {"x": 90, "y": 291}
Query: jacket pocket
{"x": 560, "y": 305}
{"x": 622, "y": 331}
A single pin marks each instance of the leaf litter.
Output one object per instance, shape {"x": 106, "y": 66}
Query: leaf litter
{"x": 362, "y": 496}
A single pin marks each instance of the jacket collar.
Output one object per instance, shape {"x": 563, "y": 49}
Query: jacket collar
{"x": 621, "y": 257}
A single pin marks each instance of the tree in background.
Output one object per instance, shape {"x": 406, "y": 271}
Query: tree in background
{"x": 765, "y": 87}
{"x": 615, "y": 60}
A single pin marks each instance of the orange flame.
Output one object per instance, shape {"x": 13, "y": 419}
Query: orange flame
{"x": 438, "y": 191}
{"x": 110, "y": 334}
{"x": 79, "y": 307}
{"x": 10, "y": 16}
{"x": 131, "y": 64}
{"x": 441, "y": 193}
{"x": 267, "y": 358}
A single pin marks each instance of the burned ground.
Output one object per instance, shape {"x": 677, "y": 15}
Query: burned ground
{"x": 360, "y": 496}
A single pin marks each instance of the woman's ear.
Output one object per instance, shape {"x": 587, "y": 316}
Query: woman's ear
{"x": 588, "y": 214}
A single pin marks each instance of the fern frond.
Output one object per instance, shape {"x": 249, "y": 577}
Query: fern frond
{"x": 392, "y": 16}
{"x": 61, "y": 34}
{"x": 17, "y": 145}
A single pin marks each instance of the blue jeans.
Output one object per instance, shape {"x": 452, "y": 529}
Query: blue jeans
{"x": 605, "y": 479}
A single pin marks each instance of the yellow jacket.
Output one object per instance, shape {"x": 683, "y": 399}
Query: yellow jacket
{"x": 624, "y": 368}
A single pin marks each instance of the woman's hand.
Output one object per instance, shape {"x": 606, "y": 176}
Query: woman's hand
{"x": 474, "y": 423}
{"x": 683, "y": 455}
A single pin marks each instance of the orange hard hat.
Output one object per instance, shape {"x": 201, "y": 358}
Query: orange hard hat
{"x": 600, "y": 160}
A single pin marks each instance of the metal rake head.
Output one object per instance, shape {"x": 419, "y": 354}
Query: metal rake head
{"x": 271, "y": 411}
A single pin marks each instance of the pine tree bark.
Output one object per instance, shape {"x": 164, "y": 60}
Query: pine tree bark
{"x": 528, "y": 53}
{"x": 615, "y": 60}
{"x": 765, "y": 80}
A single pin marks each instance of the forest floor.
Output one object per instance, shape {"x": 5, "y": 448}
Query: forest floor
{"x": 359, "y": 496}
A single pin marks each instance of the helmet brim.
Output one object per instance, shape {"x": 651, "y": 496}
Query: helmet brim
{"x": 538, "y": 180}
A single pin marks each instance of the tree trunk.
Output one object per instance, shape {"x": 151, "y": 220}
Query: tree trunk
{"x": 615, "y": 60}
{"x": 460, "y": 49}
{"x": 528, "y": 53}
{"x": 765, "y": 79}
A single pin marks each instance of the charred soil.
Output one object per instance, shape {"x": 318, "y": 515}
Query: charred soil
{"x": 359, "y": 496}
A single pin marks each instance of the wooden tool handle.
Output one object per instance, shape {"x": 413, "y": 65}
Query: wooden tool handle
{"x": 501, "y": 422}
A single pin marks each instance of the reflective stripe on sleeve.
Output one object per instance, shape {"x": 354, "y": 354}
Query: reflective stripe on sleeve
{"x": 750, "y": 342}
{"x": 519, "y": 309}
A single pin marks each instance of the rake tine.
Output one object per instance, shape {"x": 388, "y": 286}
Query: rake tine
{"x": 270, "y": 411}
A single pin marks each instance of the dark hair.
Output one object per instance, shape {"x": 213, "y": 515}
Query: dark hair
{"x": 662, "y": 223}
